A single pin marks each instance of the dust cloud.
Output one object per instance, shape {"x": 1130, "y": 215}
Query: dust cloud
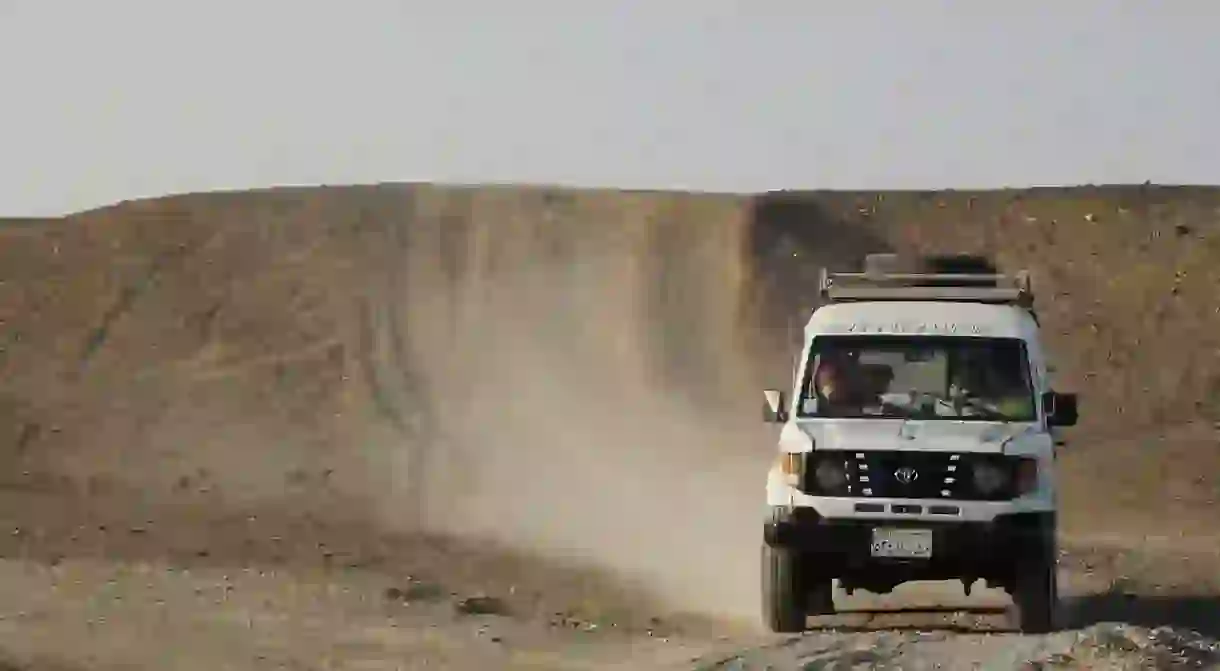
{"x": 588, "y": 389}
{"x": 593, "y": 390}
{"x": 573, "y": 374}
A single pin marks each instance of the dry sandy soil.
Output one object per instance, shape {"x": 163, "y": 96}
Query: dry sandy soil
{"x": 408, "y": 426}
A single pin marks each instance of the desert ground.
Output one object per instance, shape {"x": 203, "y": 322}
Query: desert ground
{"x": 414, "y": 426}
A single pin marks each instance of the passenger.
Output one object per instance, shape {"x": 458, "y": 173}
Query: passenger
{"x": 997, "y": 385}
{"x": 876, "y": 380}
{"x": 1008, "y": 390}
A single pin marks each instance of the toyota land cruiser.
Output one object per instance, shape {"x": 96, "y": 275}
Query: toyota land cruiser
{"x": 916, "y": 444}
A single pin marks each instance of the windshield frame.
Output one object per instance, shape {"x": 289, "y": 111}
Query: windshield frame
{"x": 817, "y": 346}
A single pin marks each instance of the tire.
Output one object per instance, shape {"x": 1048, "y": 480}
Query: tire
{"x": 782, "y": 597}
{"x": 1035, "y": 598}
{"x": 820, "y": 597}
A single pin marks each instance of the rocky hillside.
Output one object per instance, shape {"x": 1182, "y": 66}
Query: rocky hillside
{"x": 362, "y": 349}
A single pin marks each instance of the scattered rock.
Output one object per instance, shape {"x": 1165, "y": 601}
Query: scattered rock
{"x": 415, "y": 591}
{"x": 481, "y": 605}
{"x": 568, "y": 621}
{"x": 1121, "y": 645}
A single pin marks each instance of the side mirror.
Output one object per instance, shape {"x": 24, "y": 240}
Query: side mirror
{"x": 774, "y": 408}
{"x": 1060, "y": 409}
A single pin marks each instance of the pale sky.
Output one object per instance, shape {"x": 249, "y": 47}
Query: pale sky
{"x": 104, "y": 100}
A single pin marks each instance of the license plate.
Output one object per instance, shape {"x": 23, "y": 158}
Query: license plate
{"x": 902, "y": 543}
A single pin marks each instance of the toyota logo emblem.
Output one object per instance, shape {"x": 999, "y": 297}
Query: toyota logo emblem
{"x": 906, "y": 475}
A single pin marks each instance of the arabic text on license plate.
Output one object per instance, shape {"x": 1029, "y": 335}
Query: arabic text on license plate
{"x": 903, "y": 543}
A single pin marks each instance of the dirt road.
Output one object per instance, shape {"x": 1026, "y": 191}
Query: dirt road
{"x": 149, "y": 597}
{"x": 413, "y": 427}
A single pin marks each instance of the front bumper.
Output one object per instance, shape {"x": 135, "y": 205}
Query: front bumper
{"x": 980, "y": 549}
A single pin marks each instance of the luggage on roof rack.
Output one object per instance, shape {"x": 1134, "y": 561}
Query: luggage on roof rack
{"x": 946, "y": 278}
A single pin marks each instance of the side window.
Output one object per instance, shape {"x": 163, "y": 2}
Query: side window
{"x": 807, "y": 383}
{"x": 796, "y": 367}
{"x": 808, "y": 397}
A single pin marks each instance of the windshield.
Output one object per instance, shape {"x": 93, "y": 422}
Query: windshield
{"x": 919, "y": 377}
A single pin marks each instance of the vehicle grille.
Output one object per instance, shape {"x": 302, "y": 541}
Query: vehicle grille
{"x": 937, "y": 475}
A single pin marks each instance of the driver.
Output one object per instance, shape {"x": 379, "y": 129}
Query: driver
{"x": 837, "y": 383}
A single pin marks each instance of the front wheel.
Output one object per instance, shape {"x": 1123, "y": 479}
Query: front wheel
{"x": 783, "y": 600}
{"x": 1035, "y": 598}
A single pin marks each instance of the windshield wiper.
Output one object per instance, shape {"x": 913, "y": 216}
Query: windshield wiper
{"x": 976, "y": 404}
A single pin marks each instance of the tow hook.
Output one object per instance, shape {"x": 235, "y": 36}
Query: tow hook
{"x": 967, "y": 585}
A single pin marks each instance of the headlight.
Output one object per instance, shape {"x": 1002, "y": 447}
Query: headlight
{"x": 989, "y": 478}
{"x": 817, "y": 474}
{"x": 827, "y": 475}
{"x": 830, "y": 475}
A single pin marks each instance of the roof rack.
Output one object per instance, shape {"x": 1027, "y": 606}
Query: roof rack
{"x": 878, "y": 284}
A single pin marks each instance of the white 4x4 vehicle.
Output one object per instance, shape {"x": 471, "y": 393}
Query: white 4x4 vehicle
{"x": 916, "y": 444}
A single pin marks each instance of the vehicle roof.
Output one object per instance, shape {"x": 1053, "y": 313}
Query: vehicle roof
{"x": 923, "y": 318}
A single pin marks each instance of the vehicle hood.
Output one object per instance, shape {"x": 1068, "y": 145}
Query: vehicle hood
{"x": 931, "y": 436}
